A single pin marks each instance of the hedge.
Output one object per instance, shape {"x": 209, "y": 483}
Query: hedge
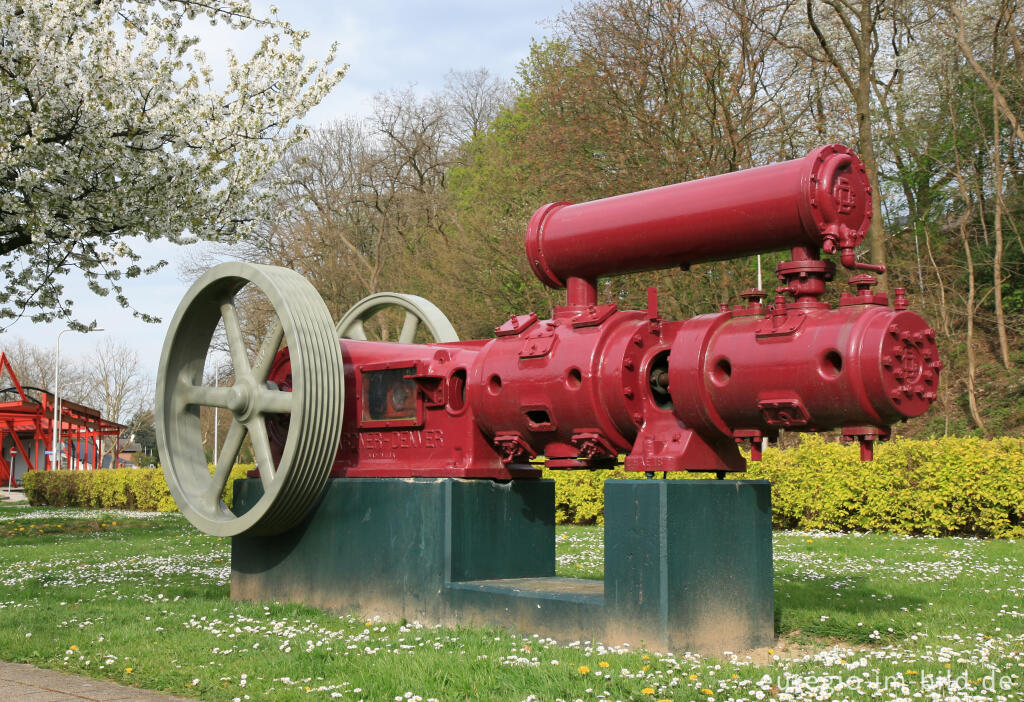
{"x": 141, "y": 489}
{"x": 939, "y": 487}
{"x": 949, "y": 486}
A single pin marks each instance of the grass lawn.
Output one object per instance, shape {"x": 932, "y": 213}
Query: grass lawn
{"x": 143, "y": 600}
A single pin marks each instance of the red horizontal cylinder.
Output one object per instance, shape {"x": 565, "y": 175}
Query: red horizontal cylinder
{"x": 823, "y": 197}
{"x": 812, "y": 370}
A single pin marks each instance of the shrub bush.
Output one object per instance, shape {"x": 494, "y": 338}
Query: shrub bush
{"x": 141, "y": 489}
{"x": 948, "y": 486}
{"x": 58, "y": 488}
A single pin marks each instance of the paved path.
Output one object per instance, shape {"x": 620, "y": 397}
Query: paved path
{"x": 19, "y": 681}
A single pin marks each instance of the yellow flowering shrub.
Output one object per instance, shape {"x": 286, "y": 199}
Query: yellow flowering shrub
{"x": 579, "y": 494}
{"x": 142, "y": 489}
{"x": 945, "y": 486}
{"x": 58, "y": 488}
{"x": 937, "y": 486}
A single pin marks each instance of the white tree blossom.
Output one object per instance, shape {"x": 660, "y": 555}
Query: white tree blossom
{"x": 112, "y": 127}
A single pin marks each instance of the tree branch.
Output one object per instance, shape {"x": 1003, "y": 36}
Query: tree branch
{"x": 828, "y": 49}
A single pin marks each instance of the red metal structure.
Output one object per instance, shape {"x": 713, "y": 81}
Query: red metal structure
{"x": 595, "y": 381}
{"x": 26, "y": 426}
{"x": 688, "y": 562}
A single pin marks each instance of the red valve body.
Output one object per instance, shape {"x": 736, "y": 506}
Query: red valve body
{"x": 571, "y": 388}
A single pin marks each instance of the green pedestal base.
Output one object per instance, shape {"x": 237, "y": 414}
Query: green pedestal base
{"x": 688, "y": 564}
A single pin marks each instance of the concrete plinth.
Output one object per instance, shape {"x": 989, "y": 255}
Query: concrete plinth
{"x": 688, "y": 564}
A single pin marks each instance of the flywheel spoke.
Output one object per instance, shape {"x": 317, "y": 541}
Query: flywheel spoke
{"x": 261, "y": 449}
{"x": 226, "y": 459}
{"x": 274, "y": 401}
{"x": 409, "y": 327}
{"x": 268, "y": 349}
{"x": 205, "y": 396}
{"x": 356, "y": 331}
{"x": 236, "y": 345}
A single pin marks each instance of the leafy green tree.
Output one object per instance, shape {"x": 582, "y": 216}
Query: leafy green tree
{"x": 627, "y": 95}
{"x": 145, "y": 434}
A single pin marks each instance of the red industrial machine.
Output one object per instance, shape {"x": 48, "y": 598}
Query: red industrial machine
{"x": 592, "y": 382}
{"x": 595, "y": 381}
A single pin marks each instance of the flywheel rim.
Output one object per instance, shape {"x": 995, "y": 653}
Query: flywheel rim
{"x": 315, "y": 404}
{"x": 419, "y": 310}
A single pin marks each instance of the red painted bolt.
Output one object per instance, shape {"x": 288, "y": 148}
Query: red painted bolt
{"x": 900, "y": 302}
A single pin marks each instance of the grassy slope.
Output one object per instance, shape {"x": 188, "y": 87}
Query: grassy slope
{"x": 145, "y": 602}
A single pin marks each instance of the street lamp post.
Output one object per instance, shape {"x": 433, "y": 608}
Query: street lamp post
{"x": 216, "y": 418}
{"x": 56, "y": 396}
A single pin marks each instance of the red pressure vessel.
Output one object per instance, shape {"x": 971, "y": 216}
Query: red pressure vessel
{"x": 861, "y": 365}
{"x": 558, "y": 387}
{"x": 821, "y": 201}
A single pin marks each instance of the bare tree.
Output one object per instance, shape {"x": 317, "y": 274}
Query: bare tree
{"x": 34, "y": 366}
{"x": 473, "y": 99}
{"x": 848, "y": 36}
{"x": 997, "y": 27}
{"x": 364, "y": 199}
{"x": 120, "y": 388}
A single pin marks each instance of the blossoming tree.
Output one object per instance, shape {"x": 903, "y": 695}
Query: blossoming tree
{"x": 113, "y": 130}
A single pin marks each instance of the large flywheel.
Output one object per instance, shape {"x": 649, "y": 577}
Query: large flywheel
{"x": 292, "y": 479}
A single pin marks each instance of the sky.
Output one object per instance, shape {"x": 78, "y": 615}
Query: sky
{"x": 388, "y": 45}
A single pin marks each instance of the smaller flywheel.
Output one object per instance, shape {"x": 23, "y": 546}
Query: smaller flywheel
{"x": 418, "y": 312}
